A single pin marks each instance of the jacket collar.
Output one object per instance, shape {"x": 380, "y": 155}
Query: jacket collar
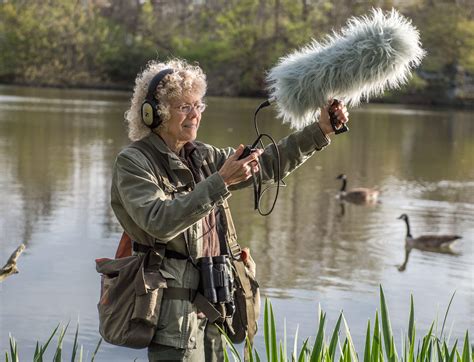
{"x": 173, "y": 159}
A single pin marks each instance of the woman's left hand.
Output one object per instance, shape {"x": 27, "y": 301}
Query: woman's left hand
{"x": 342, "y": 117}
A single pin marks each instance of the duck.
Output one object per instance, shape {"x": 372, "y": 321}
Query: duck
{"x": 428, "y": 241}
{"x": 359, "y": 195}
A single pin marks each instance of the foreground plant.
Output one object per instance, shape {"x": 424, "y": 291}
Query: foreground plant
{"x": 41, "y": 349}
{"x": 379, "y": 343}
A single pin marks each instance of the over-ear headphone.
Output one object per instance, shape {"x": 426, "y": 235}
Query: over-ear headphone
{"x": 149, "y": 110}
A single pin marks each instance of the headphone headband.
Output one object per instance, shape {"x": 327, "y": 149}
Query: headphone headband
{"x": 149, "y": 109}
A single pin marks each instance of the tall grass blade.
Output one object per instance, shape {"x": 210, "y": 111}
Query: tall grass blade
{"x": 257, "y": 356}
{"x": 295, "y": 345}
{"x": 387, "y": 329}
{"x": 266, "y": 330}
{"x": 466, "y": 351}
{"x": 446, "y": 314}
{"x": 453, "y": 352}
{"x": 316, "y": 353}
{"x": 273, "y": 340}
{"x": 229, "y": 343}
{"x": 39, "y": 356}
{"x": 248, "y": 355}
{"x": 445, "y": 351}
{"x": 284, "y": 341}
{"x": 376, "y": 353}
{"x": 334, "y": 338}
{"x": 96, "y": 350}
{"x": 59, "y": 348}
{"x": 426, "y": 344}
{"x": 352, "y": 352}
{"x": 75, "y": 346}
{"x": 411, "y": 353}
{"x": 81, "y": 351}
{"x": 367, "y": 344}
{"x": 226, "y": 355}
{"x": 429, "y": 353}
{"x": 439, "y": 351}
{"x": 411, "y": 320}
{"x": 302, "y": 355}
{"x": 14, "y": 350}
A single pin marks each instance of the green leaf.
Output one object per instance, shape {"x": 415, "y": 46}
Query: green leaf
{"x": 316, "y": 353}
{"x": 367, "y": 343}
{"x": 466, "y": 351}
{"x": 74, "y": 347}
{"x": 387, "y": 329}
{"x": 376, "y": 343}
{"x": 334, "y": 338}
{"x": 302, "y": 356}
{"x": 411, "y": 321}
{"x": 295, "y": 345}
{"x": 353, "y": 354}
{"x": 426, "y": 344}
{"x": 96, "y": 350}
{"x": 273, "y": 334}
{"x": 453, "y": 352}
{"x": 446, "y": 315}
{"x": 230, "y": 344}
{"x": 266, "y": 330}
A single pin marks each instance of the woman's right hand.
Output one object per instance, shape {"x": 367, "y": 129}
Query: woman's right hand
{"x": 234, "y": 171}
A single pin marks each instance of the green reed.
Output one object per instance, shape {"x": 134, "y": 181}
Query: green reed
{"x": 76, "y": 354}
{"x": 379, "y": 342}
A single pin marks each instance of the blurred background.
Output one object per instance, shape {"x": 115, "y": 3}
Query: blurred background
{"x": 104, "y": 43}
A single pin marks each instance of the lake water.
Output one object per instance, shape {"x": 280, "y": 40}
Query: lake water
{"x": 56, "y": 153}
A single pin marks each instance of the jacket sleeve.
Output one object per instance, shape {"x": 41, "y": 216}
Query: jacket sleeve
{"x": 146, "y": 202}
{"x": 294, "y": 150}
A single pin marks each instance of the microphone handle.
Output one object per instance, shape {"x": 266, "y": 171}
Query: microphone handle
{"x": 333, "y": 118}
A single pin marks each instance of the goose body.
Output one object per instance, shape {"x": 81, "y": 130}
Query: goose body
{"x": 359, "y": 195}
{"x": 427, "y": 241}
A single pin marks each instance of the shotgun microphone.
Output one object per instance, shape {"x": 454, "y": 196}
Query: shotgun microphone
{"x": 368, "y": 56}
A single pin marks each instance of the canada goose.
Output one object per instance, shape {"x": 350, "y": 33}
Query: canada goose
{"x": 427, "y": 242}
{"x": 359, "y": 195}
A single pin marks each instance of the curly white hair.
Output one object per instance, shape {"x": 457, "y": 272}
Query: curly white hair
{"x": 186, "y": 79}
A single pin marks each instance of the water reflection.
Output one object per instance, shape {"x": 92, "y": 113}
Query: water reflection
{"x": 408, "y": 250}
{"x": 56, "y": 153}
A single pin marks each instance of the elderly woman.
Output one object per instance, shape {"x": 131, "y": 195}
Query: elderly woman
{"x": 178, "y": 198}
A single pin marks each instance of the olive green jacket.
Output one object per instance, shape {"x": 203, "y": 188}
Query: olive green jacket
{"x": 151, "y": 209}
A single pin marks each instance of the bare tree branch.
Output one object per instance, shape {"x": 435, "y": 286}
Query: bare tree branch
{"x": 10, "y": 267}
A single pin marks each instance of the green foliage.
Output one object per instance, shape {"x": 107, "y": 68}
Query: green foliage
{"x": 58, "y": 354}
{"x": 447, "y": 33}
{"x": 432, "y": 348}
{"x": 75, "y": 43}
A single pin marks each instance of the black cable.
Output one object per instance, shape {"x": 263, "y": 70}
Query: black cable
{"x": 257, "y": 181}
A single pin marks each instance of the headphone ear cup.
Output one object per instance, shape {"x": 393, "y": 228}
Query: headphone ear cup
{"x": 149, "y": 114}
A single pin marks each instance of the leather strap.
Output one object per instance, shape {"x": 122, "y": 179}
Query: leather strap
{"x": 180, "y": 293}
{"x": 193, "y": 296}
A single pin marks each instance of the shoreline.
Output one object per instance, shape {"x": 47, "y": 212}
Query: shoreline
{"x": 407, "y": 99}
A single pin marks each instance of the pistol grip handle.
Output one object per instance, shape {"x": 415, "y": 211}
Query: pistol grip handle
{"x": 333, "y": 118}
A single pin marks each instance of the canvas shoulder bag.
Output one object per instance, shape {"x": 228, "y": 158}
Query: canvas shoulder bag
{"x": 130, "y": 298}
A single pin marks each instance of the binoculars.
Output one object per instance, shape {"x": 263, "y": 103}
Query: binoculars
{"x": 216, "y": 279}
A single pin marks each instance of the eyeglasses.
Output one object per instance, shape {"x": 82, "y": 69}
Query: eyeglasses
{"x": 187, "y": 108}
